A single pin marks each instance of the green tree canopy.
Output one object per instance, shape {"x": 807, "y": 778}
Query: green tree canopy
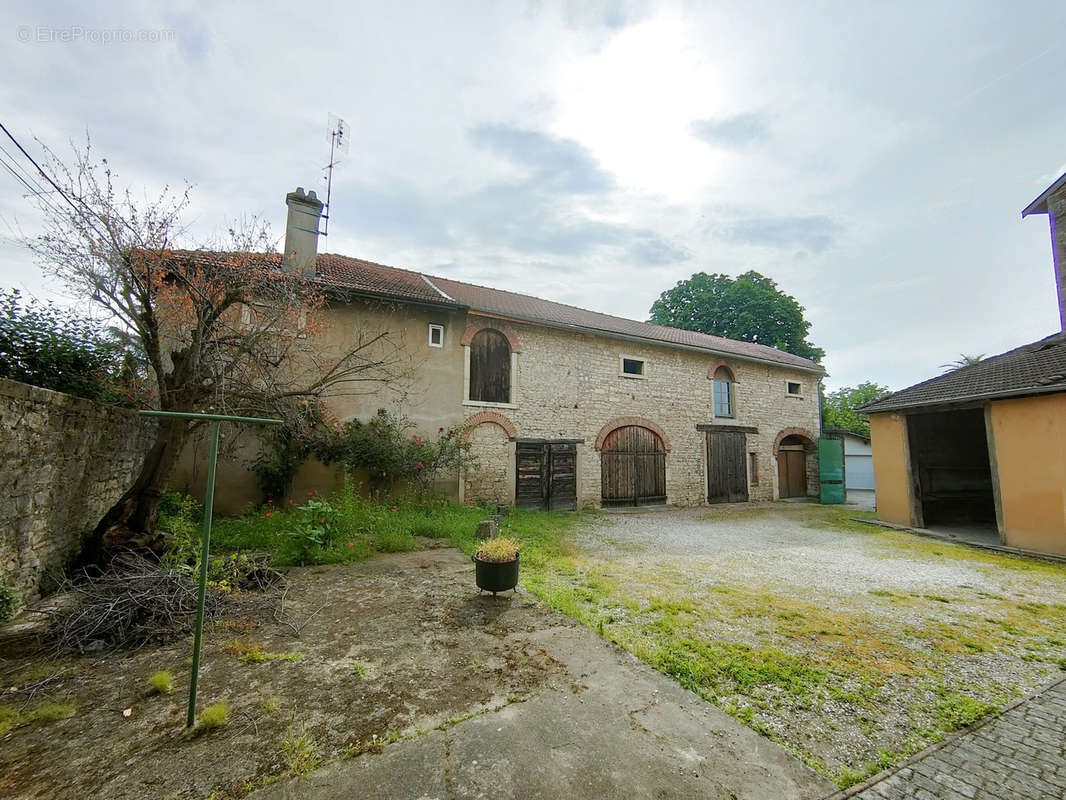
{"x": 838, "y": 408}
{"x": 749, "y": 307}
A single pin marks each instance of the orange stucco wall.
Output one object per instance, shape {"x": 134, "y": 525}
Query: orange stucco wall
{"x": 888, "y": 437}
{"x": 1030, "y": 450}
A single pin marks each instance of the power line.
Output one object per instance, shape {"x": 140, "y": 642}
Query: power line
{"x": 88, "y": 220}
{"x": 26, "y": 179}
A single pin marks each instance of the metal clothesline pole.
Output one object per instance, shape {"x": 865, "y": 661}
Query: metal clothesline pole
{"x": 216, "y": 421}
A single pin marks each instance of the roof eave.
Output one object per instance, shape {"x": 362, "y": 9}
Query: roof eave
{"x": 1039, "y": 206}
{"x": 1006, "y": 394}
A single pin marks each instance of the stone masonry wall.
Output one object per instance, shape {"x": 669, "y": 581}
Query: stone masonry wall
{"x": 568, "y": 386}
{"x": 1057, "y": 215}
{"x": 63, "y": 462}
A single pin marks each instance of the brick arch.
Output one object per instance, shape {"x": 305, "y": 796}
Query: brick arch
{"x": 473, "y": 328}
{"x": 810, "y": 445}
{"x": 714, "y": 368}
{"x": 495, "y": 418}
{"x": 621, "y": 422}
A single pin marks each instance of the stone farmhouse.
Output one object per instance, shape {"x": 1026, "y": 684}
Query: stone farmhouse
{"x": 568, "y": 407}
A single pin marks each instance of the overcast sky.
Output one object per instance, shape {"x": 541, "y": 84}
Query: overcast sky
{"x": 872, "y": 158}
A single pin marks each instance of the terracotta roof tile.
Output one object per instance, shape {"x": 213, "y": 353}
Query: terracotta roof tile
{"x": 344, "y": 272}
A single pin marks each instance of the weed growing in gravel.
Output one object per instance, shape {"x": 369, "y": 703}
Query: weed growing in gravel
{"x": 955, "y": 711}
{"x": 13, "y": 716}
{"x": 300, "y": 751}
{"x": 161, "y": 682}
{"x": 251, "y": 652}
{"x": 214, "y": 716}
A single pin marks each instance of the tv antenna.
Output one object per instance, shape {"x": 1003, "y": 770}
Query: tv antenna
{"x": 339, "y": 134}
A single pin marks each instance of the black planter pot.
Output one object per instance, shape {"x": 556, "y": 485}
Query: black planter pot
{"x": 495, "y": 576}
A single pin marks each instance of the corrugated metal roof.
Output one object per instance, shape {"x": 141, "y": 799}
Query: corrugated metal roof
{"x": 1036, "y": 368}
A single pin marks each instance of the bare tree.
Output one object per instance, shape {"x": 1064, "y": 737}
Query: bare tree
{"x": 224, "y": 331}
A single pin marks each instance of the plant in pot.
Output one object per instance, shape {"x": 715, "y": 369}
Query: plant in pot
{"x": 496, "y": 565}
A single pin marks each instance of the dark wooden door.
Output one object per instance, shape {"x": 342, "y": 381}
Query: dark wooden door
{"x": 727, "y": 468}
{"x": 546, "y": 475}
{"x": 632, "y": 467}
{"x": 792, "y": 473}
{"x": 531, "y": 475}
{"x": 562, "y": 477}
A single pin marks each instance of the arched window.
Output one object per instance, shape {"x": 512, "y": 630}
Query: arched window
{"x": 490, "y": 367}
{"x": 724, "y": 402}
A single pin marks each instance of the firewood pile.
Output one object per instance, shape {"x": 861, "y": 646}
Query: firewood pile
{"x": 134, "y": 601}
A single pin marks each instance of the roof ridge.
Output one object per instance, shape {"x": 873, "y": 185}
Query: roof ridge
{"x": 616, "y": 317}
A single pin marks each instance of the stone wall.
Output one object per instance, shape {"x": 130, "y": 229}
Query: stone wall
{"x": 569, "y": 386}
{"x": 1057, "y": 215}
{"x": 63, "y": 462}
{"x": 566, "y": 385}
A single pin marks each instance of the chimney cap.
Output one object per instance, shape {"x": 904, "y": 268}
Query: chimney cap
{"x": 307, "y": 198}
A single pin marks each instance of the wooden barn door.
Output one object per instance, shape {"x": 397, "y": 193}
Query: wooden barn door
{"x": 727, "y": 468}
{"x": 633, "y": 467}
{"x": 546, "y": 475}
{"x": 792, "y": 472}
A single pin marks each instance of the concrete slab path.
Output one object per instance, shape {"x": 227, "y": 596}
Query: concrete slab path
{"x": 612, "y": 728}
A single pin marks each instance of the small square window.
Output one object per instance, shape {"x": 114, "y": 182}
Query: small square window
{"x": 633, "y": 367}
{"x": 436, "y": 336}
{"x": 794, "y": 388}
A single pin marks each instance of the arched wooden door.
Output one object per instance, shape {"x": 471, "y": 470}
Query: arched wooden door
{"x": 792, "y": 467}
{"x": 633, "y": 467}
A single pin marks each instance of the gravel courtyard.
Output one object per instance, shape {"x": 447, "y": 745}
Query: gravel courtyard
{"x": 851, "y": 645}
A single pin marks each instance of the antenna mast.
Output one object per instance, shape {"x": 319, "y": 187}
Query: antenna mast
{"x": 338, "y": 147}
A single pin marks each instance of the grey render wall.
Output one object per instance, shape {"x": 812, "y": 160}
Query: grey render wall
{"x": 63, "y": 462}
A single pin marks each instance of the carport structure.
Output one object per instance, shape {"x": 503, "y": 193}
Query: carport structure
{"x": 979, "y": 450}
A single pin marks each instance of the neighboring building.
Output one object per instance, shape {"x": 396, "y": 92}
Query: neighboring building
{"x": 858, "y": 462}
{"x": 1052, "y": 201}
{"x": 568, "y": 407}
{"x": 984, "y": 445}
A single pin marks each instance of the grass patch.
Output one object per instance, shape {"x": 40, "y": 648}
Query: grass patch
{"x": 12, "y": 716}
{"x": 716, "y": 668}
{"x": 300, "y": 752}
{"x": 249, "y": 651}
{"x": 161, "y": 682}
{"x": 955, "y": 711}
{"x": 214, "y": 716}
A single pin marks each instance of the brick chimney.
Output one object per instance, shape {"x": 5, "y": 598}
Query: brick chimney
{"x": 301, "y": 232}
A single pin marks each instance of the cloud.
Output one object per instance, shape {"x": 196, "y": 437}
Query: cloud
{"x": 815, "y": 233}
{"x": 563, "y": 164}
{"x": 740, "y": 130}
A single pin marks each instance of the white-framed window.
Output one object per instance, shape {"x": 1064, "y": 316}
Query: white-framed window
{"x": 632, "y": 367}
{"x": 724, "y": 396}
{"x": 794, "y": 388}
{"x": 436, "y": 335}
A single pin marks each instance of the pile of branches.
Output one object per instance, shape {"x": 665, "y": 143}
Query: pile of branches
{"x": 133, "y": 601}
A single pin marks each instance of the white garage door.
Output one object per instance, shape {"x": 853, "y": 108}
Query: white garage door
{"x": 859, "y": 471}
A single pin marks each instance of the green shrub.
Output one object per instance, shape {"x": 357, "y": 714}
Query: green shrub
{"x": 161, "y": 681}
{"x": 56, "y": 348}
{"x": 316, "y": 528}
{"x": 214, "y": 716}
{"x": 10, "y": 600}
